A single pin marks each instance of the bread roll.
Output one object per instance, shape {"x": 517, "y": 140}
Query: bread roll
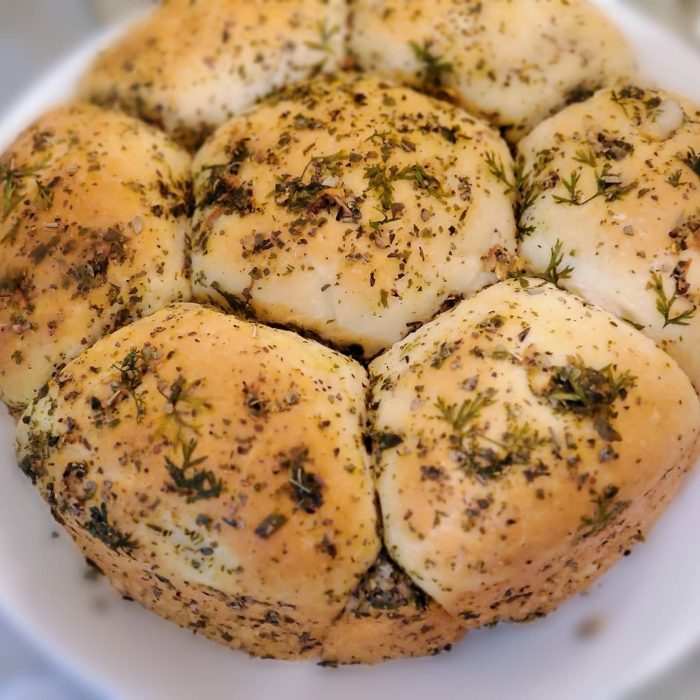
{"x": 93, "y": 221}
{"x": 525, "y": 441}
{"x": 221, "y": 462}
{"x": 513, "y": 62}
{"x": 350, "y": 209}
{"x": 191, "y": 65}
{"x": 614, "y": 211}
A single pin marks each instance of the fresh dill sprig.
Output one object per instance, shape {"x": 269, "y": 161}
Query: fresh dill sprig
{"x": 676, "y": 179}
{"x": 692, "y": 160}
{"x": 608, "y": 184}
{"x": 523, "y": 185}
{"x": 553, "y": 273}
{"x": 99, "y": 527}
{"x": 665, "y": 304}
{"x": 380, "y": 180}
{"x": 187, "y": 480}
{"x": 422, "y": 180}
{"x": 323, "y": 45}
{"x": 586, "y": 158}
{"x": 498, "y": 170}
{"x": 131, "y": 372}
{"x": 12, "y": 179}
{"x": 607, "y": 508}
{"x": 434, "y": 67}
{"x": 389, "y": 142}
{"x": 571, "y": 186}
{"x": 483, "y": 456}
{"x": 180, "y": 397}
{"x": 458, "y": 418}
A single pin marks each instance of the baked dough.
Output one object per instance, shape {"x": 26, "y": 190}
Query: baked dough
{"x": 192, "y": 64}
{"x": 351, "y": 209}
{"x": 525, "y": 441}
{"x": 93, "y": 221}
{"x": 614, "y": 211}
{"x": 389, "y": 617}
{"x": 220, "y": 462}
{"x": 261, "y": 488}
{"x": 513, "y": 62}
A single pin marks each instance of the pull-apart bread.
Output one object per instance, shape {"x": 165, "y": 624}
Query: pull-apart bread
{"x": 93, "y": 227}
{"x": 430, "y": 382}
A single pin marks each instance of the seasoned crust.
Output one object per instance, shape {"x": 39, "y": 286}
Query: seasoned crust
{"x": 525, "y": 440}
{"x": 189, "y": 69}
{"x": 615, "y": 183}
{"x": 223, "y": 456}
{"x": 350, "y": 208}
{"x": 480, "y": 54}
{"x": 214, "y": 468}
{"x": 388, "y": 617}
{"x": 91, "y": 237}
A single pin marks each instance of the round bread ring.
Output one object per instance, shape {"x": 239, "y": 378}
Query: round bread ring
{"x": 220, "y": 458}
{"x": 350, "y": 209}
{"x": 188, "y": 70}
{"x": 525, "y": 441}
{"x": 626, "y": 233}
{"x": 480, "y": 54}
{"x": 230, "y": 476}
{"x": 91, "y": 237}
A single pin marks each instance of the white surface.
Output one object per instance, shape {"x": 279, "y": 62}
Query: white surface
{"x": 647, "y": 607}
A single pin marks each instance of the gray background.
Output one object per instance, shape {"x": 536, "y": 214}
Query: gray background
{"x": 33, "y": 35}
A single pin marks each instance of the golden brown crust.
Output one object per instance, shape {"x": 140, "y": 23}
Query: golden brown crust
{"x": 229, "y": 476}
{"x": 514, "y": 62}
{"x": 388, "y": 617}
{"x": 525, "y": 441}
{"x": 188, "y": 69}
{"x": 93, "y": 224}
{"x": 615, "y": 185}
{"x": 350, "y": 208}
{"x": 259, "y": 628}
{"x": 224, "y": 456}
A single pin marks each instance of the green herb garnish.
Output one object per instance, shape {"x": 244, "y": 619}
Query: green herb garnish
{"x": 380, "y": 181}
{"x": 692, "y": 160}
{"x": 195, "y": 484}
{"x": 434, "y": 68}
{"x": 606, "y": 510}
{"x": 443, "y": 352}
{"x": 305, "y": 486}
{"x": 665, "y": 304}
{"x": 676, "y": 179}
{"x": 99, "y": 527}
{"x": 12, "y": 180}
{"x": 589, "y": 393}
{"x": 383, "y": 440}
{"x": 483, "y": 456}
{"x": 553, "y": 273}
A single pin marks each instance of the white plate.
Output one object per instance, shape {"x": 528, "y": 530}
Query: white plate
{"x": 648, "y": 606}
